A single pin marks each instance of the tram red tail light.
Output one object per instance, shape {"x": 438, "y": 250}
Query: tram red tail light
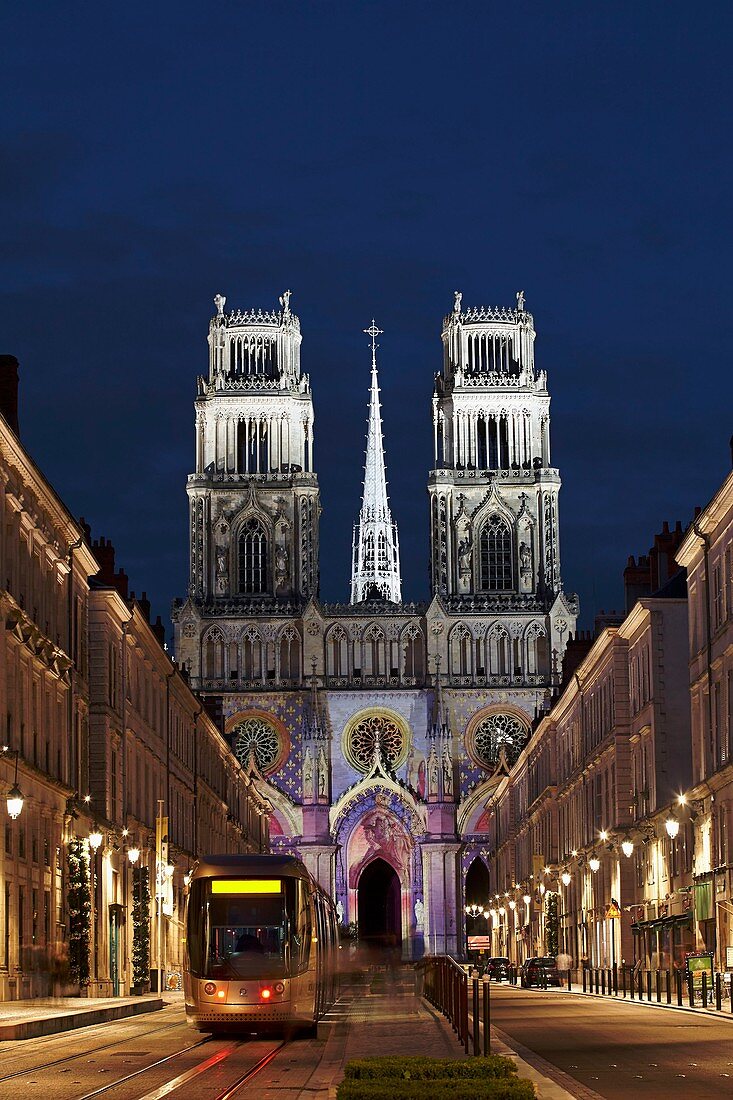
{"x": 265, "y": 994}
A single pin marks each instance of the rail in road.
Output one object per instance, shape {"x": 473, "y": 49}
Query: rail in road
{"x": 211, "y": 1068}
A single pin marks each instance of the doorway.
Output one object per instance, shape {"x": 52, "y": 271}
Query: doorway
{"x": 379, "y": 906}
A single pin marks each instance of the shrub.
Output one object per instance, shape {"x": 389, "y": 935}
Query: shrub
{"x": 391, "y": 1088}
{"x": 417, "y": 1068}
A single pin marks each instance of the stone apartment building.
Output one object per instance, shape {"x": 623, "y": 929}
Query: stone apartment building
{"x": 98, "y": 726}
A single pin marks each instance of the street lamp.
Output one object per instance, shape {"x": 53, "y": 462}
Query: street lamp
{"x": 672, "y": 826}
{"x": 627, "y": 846}
{"x": 15, "y": 795}
{"x": 95, "y": 837}
{"x": 566, "y": 877}
{"x": 133, "y": 854}
{"x": 594, "y": 863}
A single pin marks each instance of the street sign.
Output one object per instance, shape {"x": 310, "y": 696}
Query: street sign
{"x": 479, "y": 943}
{"x": 613, "y": 911}
{"x": 698, "y": 964}
{"x": 729, "y": 958}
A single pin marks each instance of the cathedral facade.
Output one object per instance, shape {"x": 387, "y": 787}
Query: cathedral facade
{"x": 377, "y": 729}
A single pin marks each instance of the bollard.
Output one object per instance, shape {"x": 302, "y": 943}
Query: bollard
{"x": 487, "y": 1018}
{"x": 475, "y": 1018}
{"x": 569, "y": 985}
{"x": 585, "y": 972}
{"x": 649, "y": 985}
{"x": 691, "y": 991}
{"x": 668, "y": 980}
{"x": 678, "y": 984}
{"x": 659, "y": 987}
{"x": 464, "y": 983}
{"x": 641, "y": 986}
{"x": 704, "y": 990}
{"x": 718, "y": 993}
{"x": 603, "y": 982}
{"x": 623, "y": 979}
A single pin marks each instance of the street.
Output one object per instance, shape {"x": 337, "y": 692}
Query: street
{"x": 148, "y": 1057}
{"x": 618, "y": 1048}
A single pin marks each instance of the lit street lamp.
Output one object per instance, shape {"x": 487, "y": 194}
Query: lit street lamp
{"x": 15, "y": 795}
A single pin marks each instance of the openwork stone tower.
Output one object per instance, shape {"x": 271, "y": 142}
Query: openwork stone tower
{"x": 375, "y": 571}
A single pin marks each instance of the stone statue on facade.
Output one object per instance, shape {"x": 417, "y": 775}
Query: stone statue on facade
{"x": 447, "y": 775}
{"x": 433, "y": 771}
{"x": 525, "y": 556}
{"x": 322, "y": 775}
{"x": 520, "y": 301}
{"x": 458, "y": 298}
{"x": 281, "y": 563}
{"x": 220, "y": 301}
{"x": 464, "y": 555}
{"x": 419, "y": 914}
{"x": 285, "y": 304}
{"x": 307, "y": 776}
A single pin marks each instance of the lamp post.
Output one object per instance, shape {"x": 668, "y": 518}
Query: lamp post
{"x": 15, "y": 795}
{"x": 95, "y": 841}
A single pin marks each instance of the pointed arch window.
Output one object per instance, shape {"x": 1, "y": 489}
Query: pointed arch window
{"x": 253, "y": 558}
{"x": 497, "y": 574}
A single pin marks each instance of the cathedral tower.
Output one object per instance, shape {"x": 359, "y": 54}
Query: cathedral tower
{"x": 253, "y": 498}
{"x": 493, "y": 492}
{"x": 375, "y": 570}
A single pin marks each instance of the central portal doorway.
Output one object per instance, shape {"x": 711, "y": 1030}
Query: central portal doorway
{"x": 379, "y": 907}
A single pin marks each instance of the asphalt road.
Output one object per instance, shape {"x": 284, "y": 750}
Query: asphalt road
{"x": 140, "y": 1058}
{"x": 619, "y": 1050}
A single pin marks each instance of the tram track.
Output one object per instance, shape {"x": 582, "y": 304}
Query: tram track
{"x": 153, "y": 1065}
{"x": 81, "y": 1054}
{"x": 189, "y": 1075}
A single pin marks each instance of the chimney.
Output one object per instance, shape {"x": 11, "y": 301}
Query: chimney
{"x": 144, "y": 605}
{"x": 159, "y": 631}
{"x": 9, "y": 390}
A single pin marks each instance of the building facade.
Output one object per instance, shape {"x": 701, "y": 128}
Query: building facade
{"x": 369, "y": 725}
{"x": 707, "y": 555}
{"x": 101, "y": 736}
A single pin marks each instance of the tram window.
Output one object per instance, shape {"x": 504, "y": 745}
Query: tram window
{"x": 246, "y": 936}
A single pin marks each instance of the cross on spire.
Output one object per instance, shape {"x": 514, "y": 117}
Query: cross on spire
{"x": 374, "y": 332}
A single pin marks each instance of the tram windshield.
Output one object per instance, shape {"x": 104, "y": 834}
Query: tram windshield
{"x": 233, "y": 936}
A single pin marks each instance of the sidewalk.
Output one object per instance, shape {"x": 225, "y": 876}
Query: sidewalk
{"x": 49, "y": 1015}
{"x": 381, "y": 1017}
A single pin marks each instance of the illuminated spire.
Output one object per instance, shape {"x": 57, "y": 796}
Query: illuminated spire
{"x": 375, "y": 572}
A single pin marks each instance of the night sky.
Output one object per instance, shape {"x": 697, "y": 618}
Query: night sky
{"x": 373, "y": 158}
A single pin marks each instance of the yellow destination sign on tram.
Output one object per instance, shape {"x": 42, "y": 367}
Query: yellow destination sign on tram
{"x": 246, "y": 886}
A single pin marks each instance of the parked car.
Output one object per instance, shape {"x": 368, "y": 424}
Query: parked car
{"x": 499, "y": 970}
{"x": 540, "y": 971}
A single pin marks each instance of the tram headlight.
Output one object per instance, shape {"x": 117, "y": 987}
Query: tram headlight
{"x": 279, "y": 987}
{"x": 209, "y": 989}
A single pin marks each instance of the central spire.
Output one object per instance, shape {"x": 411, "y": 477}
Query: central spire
{"x": 375, "y": 572}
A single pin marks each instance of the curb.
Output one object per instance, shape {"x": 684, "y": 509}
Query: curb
{"x": 70, "y": 1021}
{"x": 706, "y": 1013}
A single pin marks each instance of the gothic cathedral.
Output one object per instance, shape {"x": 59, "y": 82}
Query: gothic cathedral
{"x": 376, "y": 729}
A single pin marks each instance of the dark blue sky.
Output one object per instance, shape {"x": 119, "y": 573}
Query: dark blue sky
{"x": 373, "y": 158}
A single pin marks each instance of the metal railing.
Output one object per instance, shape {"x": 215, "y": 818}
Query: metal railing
{"x": 464, "y": 999}
{"x": 667, "y": 987}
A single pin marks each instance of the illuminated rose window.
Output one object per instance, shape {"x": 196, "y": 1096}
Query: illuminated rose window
{"x": 371, "y": 731}
{"x": 256, "y": 735}
{"x": 497, "y": 732}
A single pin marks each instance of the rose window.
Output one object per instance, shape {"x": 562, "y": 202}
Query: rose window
{"x": 498, "y": 731}
{"x": 373, "y": 730}
{"x": 256, "y": 735}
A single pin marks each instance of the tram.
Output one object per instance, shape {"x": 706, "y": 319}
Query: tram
{"x": 261, "y": 945}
